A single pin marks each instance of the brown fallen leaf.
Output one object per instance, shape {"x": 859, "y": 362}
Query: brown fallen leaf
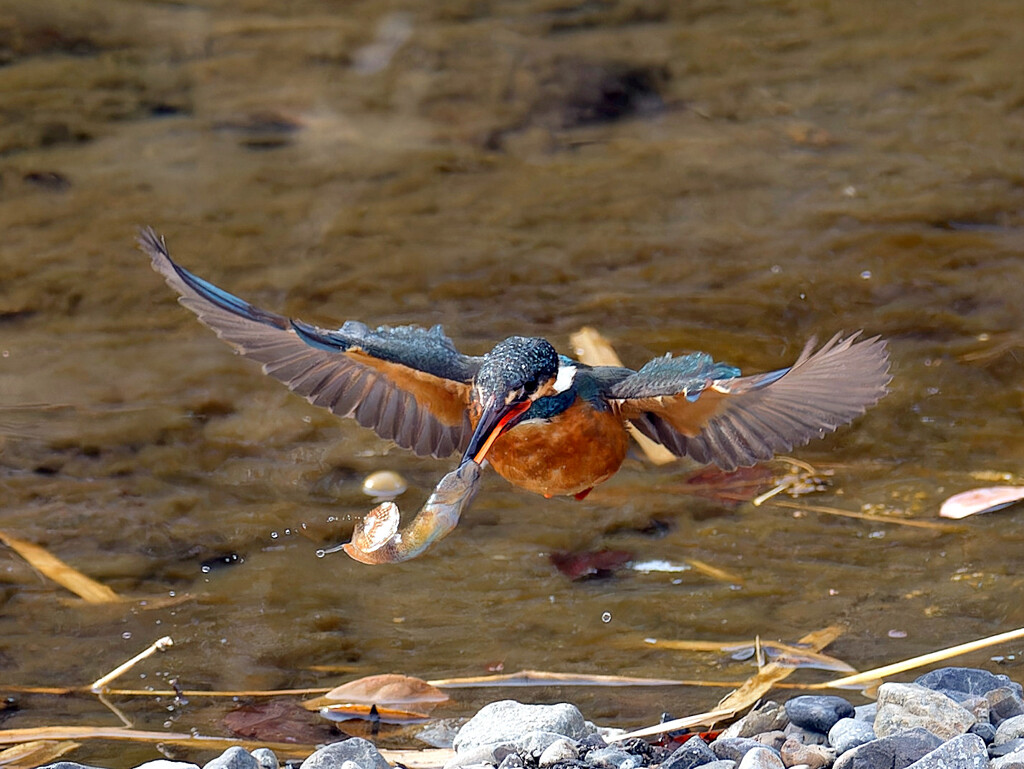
{"x": 984, "y": 500}
{"x": 278, "y": 721}
{"x": 51, "y": 566}
{"x": 386, "y": 689}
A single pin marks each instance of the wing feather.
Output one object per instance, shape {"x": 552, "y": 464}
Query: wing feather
{"x": 408, "y": 384}
{"x": 740, "y": 421}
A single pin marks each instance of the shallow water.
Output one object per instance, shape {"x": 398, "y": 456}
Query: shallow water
{"x": 730, "y": 177}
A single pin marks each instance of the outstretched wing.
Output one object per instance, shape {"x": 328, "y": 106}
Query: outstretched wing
{"x": 705, "y": 410}
{"x": 408, "y": 384}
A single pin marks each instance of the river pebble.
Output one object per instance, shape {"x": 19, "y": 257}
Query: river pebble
{"x": 817, "y": 714}
{"x": 907, "y": 706}
{"x": 948, "y": 719}
{"x": 849, "y": 733}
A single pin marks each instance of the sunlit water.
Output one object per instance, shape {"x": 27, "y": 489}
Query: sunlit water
{"x": 728, "y": 177}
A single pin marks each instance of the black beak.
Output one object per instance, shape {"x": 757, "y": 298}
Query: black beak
{"x": 495, "y": 419}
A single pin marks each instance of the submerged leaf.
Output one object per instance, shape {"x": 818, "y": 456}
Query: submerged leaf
{"x": 984, "y": 500}
{"x": 276, "y": 721}
{"x": 730, "y": 487}
{"x": 594, "y": 563}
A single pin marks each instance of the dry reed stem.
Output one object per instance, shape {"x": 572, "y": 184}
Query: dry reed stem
{"x": 933, "y": 525}
{"x": 157, "y": 646}
{"x": 414, "y": 759}
{"x": 64, "y": 575}
{"x": 870, "y": 676}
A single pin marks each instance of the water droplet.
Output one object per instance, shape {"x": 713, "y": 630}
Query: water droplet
{"x": 776, "y": 269}
{"x": 866, "y": 275}
{"x": 321, "y": 553}
{"x": 606, "y": 617}
{"x": 273, "y": 535}
{"x": 126, "y": 635}
{"x": 897, "y": 633}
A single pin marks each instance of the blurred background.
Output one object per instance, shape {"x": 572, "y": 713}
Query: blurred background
{"x": 732, "y": 177}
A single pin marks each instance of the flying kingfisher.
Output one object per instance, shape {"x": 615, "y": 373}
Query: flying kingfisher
{"x": 545, "y": 422}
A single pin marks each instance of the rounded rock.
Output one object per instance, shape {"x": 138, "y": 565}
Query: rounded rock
{"x": 818, "y": 713}
{"x": 734, "y": 748}
{"x": 508, "y": 721}
{"x": 361, "y": 752}
{"x": 906, "y": 706}
{"x": 761, "y": 758}
{"x": 233, "y": 758}
{"x": 266, "y": 758}
{"x": 692, "y": 753}
{"x": 848, "y": 733}
{"x": 814, "y": 756}
{"x": 557, "y": 752}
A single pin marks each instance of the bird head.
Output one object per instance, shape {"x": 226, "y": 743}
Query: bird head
{"x": 516, "y": 373}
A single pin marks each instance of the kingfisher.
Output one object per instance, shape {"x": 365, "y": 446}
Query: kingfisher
{"x": 545, "y": 422}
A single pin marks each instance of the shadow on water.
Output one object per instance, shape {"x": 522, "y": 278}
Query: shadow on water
{"x": 724, "y": 177}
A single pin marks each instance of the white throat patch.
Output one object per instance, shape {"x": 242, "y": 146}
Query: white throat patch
{"x": 564, "y": 379}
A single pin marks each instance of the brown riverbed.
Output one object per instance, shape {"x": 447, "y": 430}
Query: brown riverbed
{"x": 731, "y": 177}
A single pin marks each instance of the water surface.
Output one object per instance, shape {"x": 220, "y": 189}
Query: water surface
{"x": 730, "y": 177}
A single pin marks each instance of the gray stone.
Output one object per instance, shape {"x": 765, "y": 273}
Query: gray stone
{"x": 1013, "y": 760}
{"x": 1010, "y": 729}
{"x": 896, "y": 752}
{"x": 734, "y": 748}
{"x": 233, "y": 758}
{"x": 814, "y": 756}
{"x": 769, "y": 717}
{"x": 535, "y": 743}
{"x": 817, "y": 713}
{"x": 560, "y": 750}
{"x": 908, "y": 706}
{"x": 692, "y": 753}
{"x": 361, "y": 752}
{"x": 70, "y": 765}
{"x": 512, "y": 761}
{"x": 960, "y": 683}
{"x": 761, "y": 758}
{"x": 866, "y": 712}
{"x": 964, "y": 752}
{"x": 774, "y": 740}
{"x": 492, "y": 754}
{"x": 978, "y": 706}
{"x": 266, "y": 758}
{"x": 1006, "y": 748}
{"x": 163, "y": 763}
{"x": 612, "y": 758}
{"x": 508, "y": 720}
{"x": 722, "y": 763}
{"x": 987, "y": 732}
{"x": 805, "y": 736}
{"x": 1004, "y": 703}
{"x": 849, "y": 733}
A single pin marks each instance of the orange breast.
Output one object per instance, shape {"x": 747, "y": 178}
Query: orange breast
{"x": 575, "y": 450}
